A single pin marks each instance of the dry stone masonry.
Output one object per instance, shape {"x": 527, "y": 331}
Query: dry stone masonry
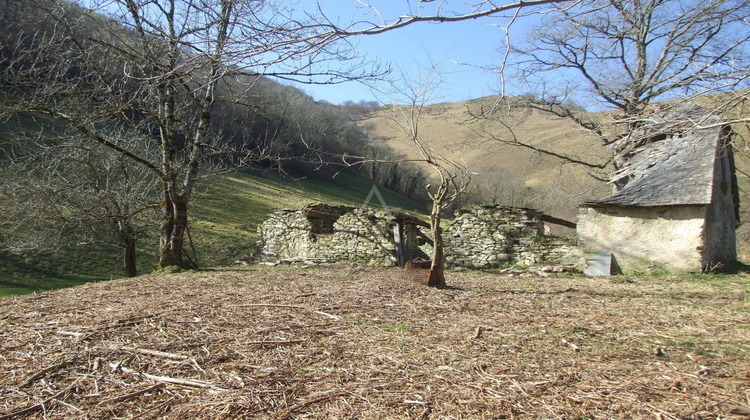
{"x": 492, "y": 236}
{"x": 331, "y": 233}
{"x": 480, "y": 237}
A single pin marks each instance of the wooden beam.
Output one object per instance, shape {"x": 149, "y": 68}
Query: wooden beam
{"x": 557, "y": 221}
{"x": 321, "y": 215}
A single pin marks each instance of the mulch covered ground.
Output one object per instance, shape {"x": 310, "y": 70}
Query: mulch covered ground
{"x": 352, "y": 342}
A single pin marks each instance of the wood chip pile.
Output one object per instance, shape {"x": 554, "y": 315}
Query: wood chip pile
{"x": 349, "y": 342}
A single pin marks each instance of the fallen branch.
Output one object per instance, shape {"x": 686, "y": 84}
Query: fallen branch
{"x": 478, "y": 332}
{"x": 167, "y": 379}
{"x": 47, "y": 370}
{"x": 414, "y": 402}
{"x": 272, "y": 342}
{"x": 156, "y": 353}
{"x": 70, "y": 333}
{"x": 326, "y": 314}
{"x": 130, "y": 396}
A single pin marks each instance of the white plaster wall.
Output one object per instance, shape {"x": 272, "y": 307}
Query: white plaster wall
{"x": 669, "y": 238}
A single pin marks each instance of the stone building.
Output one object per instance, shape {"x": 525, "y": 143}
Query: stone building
{"x": 675, "y": 205}
{"x": 340, "y": 233}
{"x": 480, "y": 237}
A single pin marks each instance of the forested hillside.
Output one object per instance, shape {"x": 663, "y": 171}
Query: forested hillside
{"x": 105, "y": 145}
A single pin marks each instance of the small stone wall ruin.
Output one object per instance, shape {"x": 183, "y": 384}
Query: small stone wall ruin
{"x": 480, "y": 237}
{"x": 493, "y": 236}
{"x": 331, "y": 233}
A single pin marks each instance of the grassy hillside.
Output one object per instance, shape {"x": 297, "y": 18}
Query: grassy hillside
{"x": 507, "y": 174}
{"x": 229, "y": 209}
{"x": 225, "y": 216}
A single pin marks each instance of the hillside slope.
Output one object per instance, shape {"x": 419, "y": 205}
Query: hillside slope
{"x": 519, "y": 176}
{"x": 225, "y": 216}
{"x": 507, "y": 174}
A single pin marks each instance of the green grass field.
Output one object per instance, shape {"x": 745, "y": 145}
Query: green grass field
{"x": 225, "y": 214}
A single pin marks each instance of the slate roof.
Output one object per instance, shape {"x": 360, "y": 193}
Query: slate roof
{"x": 668, "y": 160}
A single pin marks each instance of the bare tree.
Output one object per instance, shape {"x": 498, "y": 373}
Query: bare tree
{"x": 452, "y": 178}
{"x": 440, "y": 12}
{"x": 625, "y": 55}
{"x": 628, "y": 54}
{"x": 67, "y": 190}
{"x": 164, "y": 75}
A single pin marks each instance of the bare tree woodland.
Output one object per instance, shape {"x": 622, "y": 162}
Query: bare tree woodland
{"x": 71, "y": 190}
{"x": 165, "y": 72}
{"x": 163, "y": 77}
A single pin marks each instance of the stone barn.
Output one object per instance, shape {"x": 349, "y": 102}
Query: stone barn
{"x": 321, "y": 232}
{"x": 675, "y": 205}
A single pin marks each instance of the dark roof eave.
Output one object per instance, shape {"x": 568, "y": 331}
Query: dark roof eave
{"x": 595, "y": 204}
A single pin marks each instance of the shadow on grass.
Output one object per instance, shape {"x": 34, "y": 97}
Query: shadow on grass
{"x": 737, "y": 268}
{"x": 41, "y": 283}
{"x": 21, "y": 275}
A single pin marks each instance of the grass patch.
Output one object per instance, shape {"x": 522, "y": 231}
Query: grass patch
{"x": 24, "y": 274}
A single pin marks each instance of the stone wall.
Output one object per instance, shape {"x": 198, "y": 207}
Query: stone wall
{"x": 492, "y": 236}
{"x": 479, "y": 237}
{"x": 358, "y": 235}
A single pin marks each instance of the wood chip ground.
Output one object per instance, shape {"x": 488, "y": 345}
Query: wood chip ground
{"x": 368, "y": 343}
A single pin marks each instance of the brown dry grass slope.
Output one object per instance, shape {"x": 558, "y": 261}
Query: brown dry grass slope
{"x": 367, "y": 343}
{"x": 516, "y": 175}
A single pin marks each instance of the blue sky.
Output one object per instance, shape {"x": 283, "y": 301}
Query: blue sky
{"x": 475, "y": 42}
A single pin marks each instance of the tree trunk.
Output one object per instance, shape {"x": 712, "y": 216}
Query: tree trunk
{"x": 128, "y": 237}
{"x": 172, "y": 239}
{"x": 437, "y": 274}
{"x": 131, "y": 269}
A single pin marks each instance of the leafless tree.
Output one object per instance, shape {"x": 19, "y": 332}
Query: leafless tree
{"x": 441, "y": 12}
{"x": 453, "y": 178}
{"x": 625, "y": 55}
{"x": 64, "y": 190}
{"x": 164, "y": 75}
{"x": 631, "y": 53}
{"x": 159, "y": 69}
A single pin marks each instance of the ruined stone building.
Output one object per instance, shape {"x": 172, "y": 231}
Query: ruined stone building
{"x": 675, "y": 205}
{"x": 340, "y": 233}
{"x": 491, "y": 236}
{"x": 481, "y": 237}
